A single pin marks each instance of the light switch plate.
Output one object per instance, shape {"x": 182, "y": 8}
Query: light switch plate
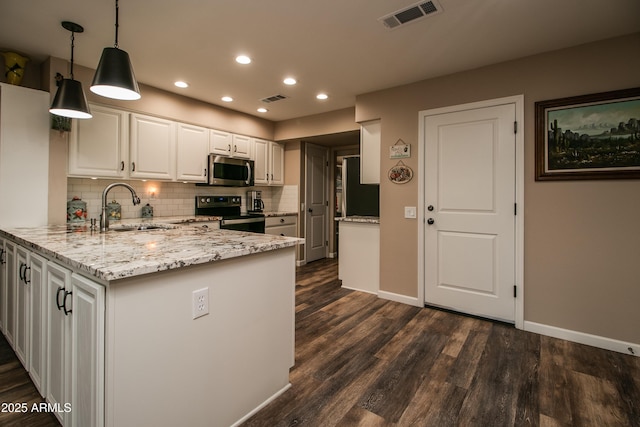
{"x": 409, "y": 211}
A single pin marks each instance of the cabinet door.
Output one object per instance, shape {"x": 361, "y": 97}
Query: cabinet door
{"x": 220, "y": 142}
{"x": 11, "y": 282}
{"x": 58, "y": 291}
{"x": 98, "y": 147}
{"x": 370, "y": 152}
{"x": 37, "y": 332}
{"x": 152, "y": 148}
{"x": 241, "y": 147}
{"x": 3, "y": 287}
{"x": 276, "y": 162}
{"x": 87, "y": 352}
{"x": 193, "y": 147}
{"x": 23, "y": 293}
{"x": 261, "y": 161}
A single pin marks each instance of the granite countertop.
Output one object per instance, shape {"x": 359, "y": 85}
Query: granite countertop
{"x": 281, "y": 213}
{"x": 358, "y": 218}
{"x": 120, "y": 254}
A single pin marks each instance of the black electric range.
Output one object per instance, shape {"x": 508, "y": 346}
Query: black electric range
{"x": 229, "y": 208}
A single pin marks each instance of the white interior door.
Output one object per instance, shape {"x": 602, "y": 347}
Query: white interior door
{"x": 316, "y": 203}
{"x": 470, "y": 184}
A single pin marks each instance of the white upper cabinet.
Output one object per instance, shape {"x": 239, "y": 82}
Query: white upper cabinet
{"x": 276, "y": 162}
{"x": 193, "y": 147}
{"x": 269, "y": 162}
{"x": 98, "y": 146}
{"x": 370, "y": 152}
{"x": 152, "y": 148}
{"x": 228, "y": 144}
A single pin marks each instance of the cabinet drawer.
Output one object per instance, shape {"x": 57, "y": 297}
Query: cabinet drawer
{"x": 282, "y": 230}
{"x": 273, "y": 221}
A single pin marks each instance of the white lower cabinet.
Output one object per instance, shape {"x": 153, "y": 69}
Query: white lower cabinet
{"x": 11, "y": 285}
{"x": 75, "y": 347}
{"x": 284, "y": 225}
{"x": 37, "y": 344}
{"x": 22, "y": 306}
{"x": 3, "y": 286}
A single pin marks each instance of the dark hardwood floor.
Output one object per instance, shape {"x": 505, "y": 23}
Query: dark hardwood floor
{"x": 16, "y": 388}
{"x": 363, "y": 361}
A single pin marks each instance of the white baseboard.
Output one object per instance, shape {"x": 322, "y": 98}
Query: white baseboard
{"x": 359, "y": 290}
{"x": 301, "y": 263}
{"x": 583, "y": 338}
{"x": 399, "y": 298}
{"x": 262, "y": 405}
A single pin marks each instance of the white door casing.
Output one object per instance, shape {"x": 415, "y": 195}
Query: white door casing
{"x": 316, "y": 203}
{"x": 471, "y": 178}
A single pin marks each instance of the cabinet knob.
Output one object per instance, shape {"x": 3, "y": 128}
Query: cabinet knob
{"x": 281, "y": 219}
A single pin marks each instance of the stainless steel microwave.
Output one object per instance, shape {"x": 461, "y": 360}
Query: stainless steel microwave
{"x": 230, "y": 172}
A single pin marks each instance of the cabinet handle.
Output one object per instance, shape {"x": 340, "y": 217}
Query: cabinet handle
{"x": 235, "y": 148}
{"x": 133, "y": 166}
{"x": 60, "y": 289}
{"x": 2, "y": 252}
{"x": 282, "y": 234}
{"x": 205, "y": 172}
{"x": 26, "y": 279}
{"x": 122, "y": 165}
{"x": 229, "y": 145}
{"x": 20, "y": 274}
{"x": 64, "y": 303}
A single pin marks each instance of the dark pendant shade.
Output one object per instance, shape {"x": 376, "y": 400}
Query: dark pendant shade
{"x": 70, "y": 101}
{"x": 114, "y": 77}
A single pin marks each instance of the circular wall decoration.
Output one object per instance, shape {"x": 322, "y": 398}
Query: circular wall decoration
{"x": 400, "y": 174}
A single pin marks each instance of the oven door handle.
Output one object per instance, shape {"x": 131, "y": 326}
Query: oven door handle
{"x": 241, "y": 221}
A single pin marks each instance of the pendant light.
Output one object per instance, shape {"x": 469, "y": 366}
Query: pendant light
{"x": 70, "y": 100}
{"x": 114, "y": 77}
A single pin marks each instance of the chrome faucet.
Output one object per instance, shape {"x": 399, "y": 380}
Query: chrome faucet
{"x": 104, "y": 219}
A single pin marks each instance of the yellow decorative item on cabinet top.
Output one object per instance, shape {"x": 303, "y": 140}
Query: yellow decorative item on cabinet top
{"x": 14, "y": 65}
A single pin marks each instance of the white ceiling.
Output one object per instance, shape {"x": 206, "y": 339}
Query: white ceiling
{"x": 335, "y": 46}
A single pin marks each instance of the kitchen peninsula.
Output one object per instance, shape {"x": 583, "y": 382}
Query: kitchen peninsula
{"x": 138, "y": 349}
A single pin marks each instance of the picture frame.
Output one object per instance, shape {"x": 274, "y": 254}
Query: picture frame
{"x": 594, "y": 136}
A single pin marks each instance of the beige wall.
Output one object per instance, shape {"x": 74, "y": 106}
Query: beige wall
{"x": 581, "y": 237}
{"x": 320, "y": 124}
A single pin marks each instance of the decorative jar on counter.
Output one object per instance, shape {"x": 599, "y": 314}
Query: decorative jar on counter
{"x": 76, "y": 210}
{"x": 147, "y": 211}
{"x": 114, "y": 211}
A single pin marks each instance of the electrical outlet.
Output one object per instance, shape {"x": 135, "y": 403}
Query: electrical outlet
{"x": 200, "y": 302}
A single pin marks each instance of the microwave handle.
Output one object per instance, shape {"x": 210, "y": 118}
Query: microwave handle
{"x": 248, "y": 181}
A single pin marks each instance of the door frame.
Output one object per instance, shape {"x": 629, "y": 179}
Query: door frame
{"x": 518, "y": 101}
{"x": 306, "y": 199}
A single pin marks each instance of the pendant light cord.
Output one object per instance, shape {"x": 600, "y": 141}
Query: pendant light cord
{"x": 73, "y": 38}
{"x": 116, "y": 43}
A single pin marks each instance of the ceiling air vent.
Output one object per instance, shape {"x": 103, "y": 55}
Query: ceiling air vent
{"x": 411, "y": 14}
{"x": 273, "y": 98}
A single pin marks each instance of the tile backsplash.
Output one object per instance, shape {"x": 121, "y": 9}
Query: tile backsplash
{"x": 171, "y": 198}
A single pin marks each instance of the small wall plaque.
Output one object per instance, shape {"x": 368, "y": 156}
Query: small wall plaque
{"x": 400, "y": 150}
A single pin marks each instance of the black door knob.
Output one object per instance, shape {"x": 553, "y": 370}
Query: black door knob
{"x": 430, "y": 221}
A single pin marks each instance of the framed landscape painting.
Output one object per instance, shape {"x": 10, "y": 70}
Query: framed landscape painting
{"x": 593, "y": 136}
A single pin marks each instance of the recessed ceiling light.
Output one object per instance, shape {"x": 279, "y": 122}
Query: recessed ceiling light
{"x": 290, "y": 81}
{"x": 262, "y": 110}
{"x": 181, "y": 84}
{"x": 243, "y": 59}
{"x": 227, "y": 98}
{"x": 322, "y": 96}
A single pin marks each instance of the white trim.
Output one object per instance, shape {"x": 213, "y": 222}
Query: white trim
{"x": 584, "y": 338}
{"x": 400, "y": 298}
{"x": 359, "y": 290}
{"x": 518, "y": 101}
{"x": 262, "y": 405}
{"x": 300, "y": 263}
